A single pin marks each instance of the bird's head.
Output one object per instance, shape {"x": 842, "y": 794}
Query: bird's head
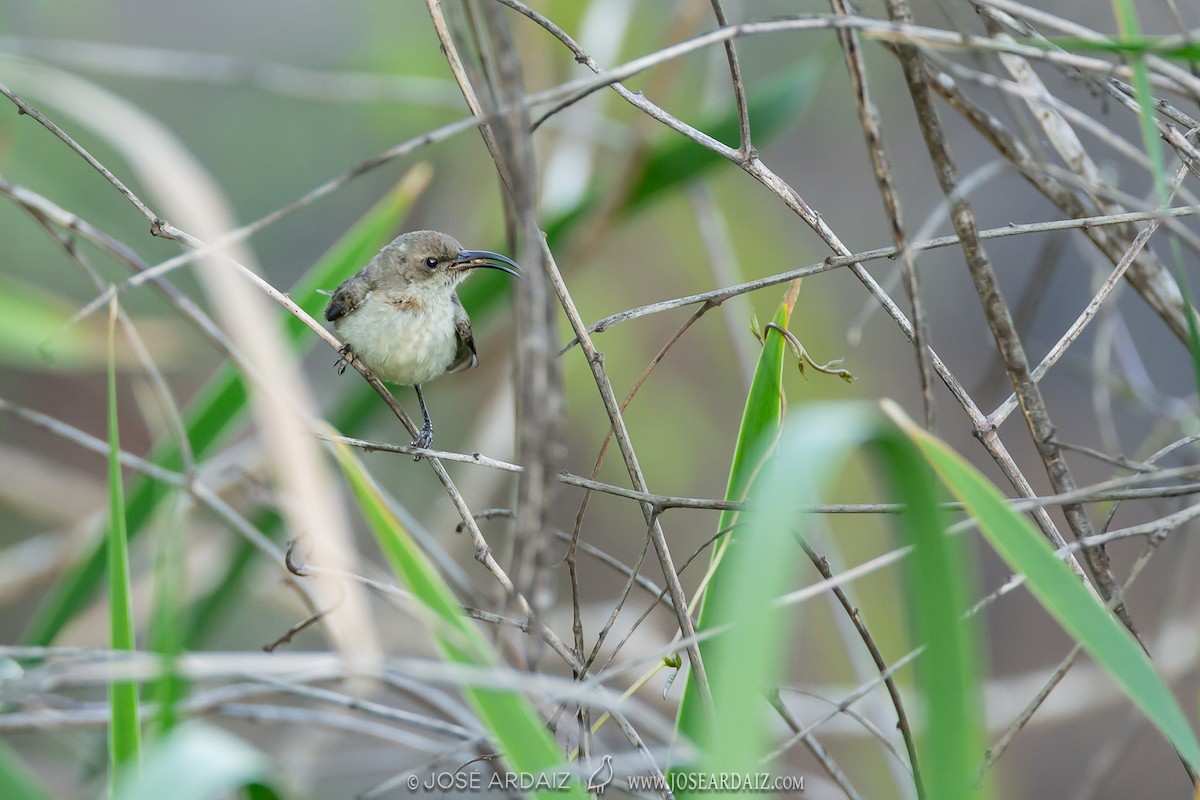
{"x": 430, "y": 258}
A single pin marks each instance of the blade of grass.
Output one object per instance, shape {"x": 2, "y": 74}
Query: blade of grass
{"x": 166, "y": 634}
{"x": 1060, "y": 593}
{"x": 515, "y": 727}
{"x": 762, "y": 418}
{"x": 1126, "y": 45}
{"x": 124, "y": 729}
{"x": 222, "y": 405}
{"x": 1130, "y": 28}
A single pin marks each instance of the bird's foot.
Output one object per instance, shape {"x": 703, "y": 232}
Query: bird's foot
{"x": 424, "y": 439}
{"x": 347, "y": 355}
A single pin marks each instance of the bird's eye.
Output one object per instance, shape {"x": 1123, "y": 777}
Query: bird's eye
{"x": 431, "y": 262}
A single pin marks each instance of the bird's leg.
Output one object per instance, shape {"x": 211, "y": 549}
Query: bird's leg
{"x": 425, "y": 437}
{"x": 347, "y": 355}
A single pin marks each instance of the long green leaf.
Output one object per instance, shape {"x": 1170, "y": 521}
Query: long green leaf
{"x": 751, "y": 639}
{"x": 1130, "y": 27}
{"x": 1125, "y": 45}
{"x": 124, "y": 728}
{"x": 222, "y": 405}
{"x": 761, "y": 421}
{"x": 513, "y": 724}
{"x": 674, "y": 161}
{"x": 1062, "y": 595}
{"x": 166, "y": 634}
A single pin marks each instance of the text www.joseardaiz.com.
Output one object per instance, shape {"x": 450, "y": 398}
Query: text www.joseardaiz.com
{"x": 715, "y": 782}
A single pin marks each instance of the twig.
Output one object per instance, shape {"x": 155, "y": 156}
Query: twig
{"x": 596, "y": 362}
{"x": 868, "y": 120}
{"x": 902, "y": 724}
{"x": 996, "y": 311}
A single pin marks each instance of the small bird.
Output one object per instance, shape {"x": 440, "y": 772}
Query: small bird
{"x": 401, "y": 316}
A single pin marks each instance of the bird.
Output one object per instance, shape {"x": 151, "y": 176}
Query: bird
{"x": 400, "y": 314}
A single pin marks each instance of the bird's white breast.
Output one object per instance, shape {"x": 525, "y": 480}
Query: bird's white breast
{"x": 405, "y": 341}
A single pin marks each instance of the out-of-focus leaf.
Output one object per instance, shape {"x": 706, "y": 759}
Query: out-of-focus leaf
{"x": 124, "y": 727}
{"x": 196, "y": 761}
{"x": 1165, "y": 47}
{"x": 166, "y": 632}
{"x": 751, "y": 631}
{"x": 1058, "y": 590}
{"x": 513, "y": 724}
{"x": 675, "y": 160}
{"x": 34, "y": 332}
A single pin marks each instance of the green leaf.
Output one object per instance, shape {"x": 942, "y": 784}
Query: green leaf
{"x": 166, "y": 634}
{"x": 1125, "y": 45}
{"x": 676, "y": 161}
{"x": 762, "y": 418}
{"x": 515, "y": 727}
{"x": 196, "y": 761}
{"x": 1128, "y": 24}
{"x": 222, "y": 405}
{"x": 124, "y": 729}
{"x": 1058, "y": 590}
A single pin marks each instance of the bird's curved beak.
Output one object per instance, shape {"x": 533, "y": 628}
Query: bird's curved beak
{"x": 473, "y": 259}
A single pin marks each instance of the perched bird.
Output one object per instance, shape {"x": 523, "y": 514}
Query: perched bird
{"x": 401, "y": 316}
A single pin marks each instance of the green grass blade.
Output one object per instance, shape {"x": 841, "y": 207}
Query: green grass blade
{"x": 222, "y": 405}
{"x": 196, "y": 761}
{"x": 761, "y": 421}
{"x": 1130, "y": 28}
{"x": 938, "y": 577}
{"x": 124, "y": 729}
{"x": 1062, "y": 595}
{"x": 746, "y": 656}
{"x": 166, "y": 633}
{"x": 1124, "y": 45}
{"x": 1127, "y": 23}
{"x": 515, "y": 727}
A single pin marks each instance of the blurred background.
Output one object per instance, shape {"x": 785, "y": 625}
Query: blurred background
{"x": 272, "y": 99}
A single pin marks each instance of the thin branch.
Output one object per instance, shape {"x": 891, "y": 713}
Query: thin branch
{"x": 596, "y": 362}
{"x": 718, "y": 296}
{"x": 739, "y": 89}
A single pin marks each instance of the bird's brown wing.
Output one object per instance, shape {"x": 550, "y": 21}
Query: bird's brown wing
{"x": 466, "y": 357}
{"x": 350, "y": 294}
